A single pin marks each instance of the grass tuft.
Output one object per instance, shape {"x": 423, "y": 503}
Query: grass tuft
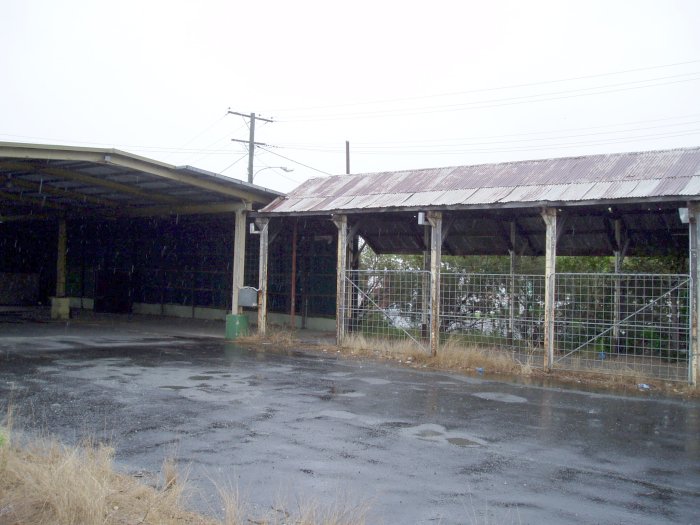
{"x": 43, "y": 482}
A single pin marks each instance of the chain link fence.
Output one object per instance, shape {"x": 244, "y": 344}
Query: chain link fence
{"x": 610, "y": 323}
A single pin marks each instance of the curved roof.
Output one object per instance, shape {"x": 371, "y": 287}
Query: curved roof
{"x": 652, "y": 176}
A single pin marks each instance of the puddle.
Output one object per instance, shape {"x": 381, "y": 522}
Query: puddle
{"x": 499, "y": 396}
{"x": 463, "y": 442}
{"x": 200, "y": 378}
{"x": 440, "y": 435}
{"x": 375, "y": 381}
{"x": 428, "y": 433}
{"x": 174, "y": 387}
{"x": 352, "y": 394}
{"x": 337, "y": 414}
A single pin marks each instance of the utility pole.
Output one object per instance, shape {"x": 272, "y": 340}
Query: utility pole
{"x": 251, "y": 141}
{"x": 347, "y": 157}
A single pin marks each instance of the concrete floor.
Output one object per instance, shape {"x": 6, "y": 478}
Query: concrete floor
{"x": 417, "y": 446}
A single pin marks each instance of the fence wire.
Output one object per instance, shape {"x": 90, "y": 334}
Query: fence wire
{"x": 623, "y": 323}
{"x": 609, "y": 323}
{"x": 388, "y": 304}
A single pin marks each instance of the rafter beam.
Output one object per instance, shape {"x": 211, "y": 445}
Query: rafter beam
{"x": 89, "y": 180}
{"x": 31, "y": 201}
{"x": 58, "y": 192}
{"x": 184, "y": 209}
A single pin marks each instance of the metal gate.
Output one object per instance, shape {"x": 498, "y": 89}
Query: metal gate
{"x": 388, "y": 304}
{"x": 631, "y": 324}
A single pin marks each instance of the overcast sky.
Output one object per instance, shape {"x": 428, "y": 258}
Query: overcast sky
{"x": 409, "y": 84}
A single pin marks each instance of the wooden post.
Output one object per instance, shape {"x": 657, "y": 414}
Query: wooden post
{"x": 61, "y": 259}
{"x": 619, "y": 257}
{"x": 435, "y": 220}
{"x": 293, "y": 289}
{"x": 511, "y": 292}
{"x": 60, "y": 304}
{"x": 341, "y": 222}
{"x": 549, "y": 215}
{"x": 263, "y": 226}
{"x": 425, "y": 313}
{"x": 694, "y": 260}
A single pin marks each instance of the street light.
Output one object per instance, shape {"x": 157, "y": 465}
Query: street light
{"x": 283, "y": 168}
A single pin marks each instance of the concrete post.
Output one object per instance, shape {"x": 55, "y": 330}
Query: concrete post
{"x": 549, "y": 215}
{"x": 341, "y": 222}
{"x": 435, "y": 220}
{"x": 236, "y": 322}
{"x": 263, "y": 226}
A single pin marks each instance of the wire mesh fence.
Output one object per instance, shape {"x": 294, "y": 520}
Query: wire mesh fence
{"x": 609, "y": 323}
{"x": 497, "y": 310}
{"x": 623, "y": 323}
{"x": 388, "y": 304}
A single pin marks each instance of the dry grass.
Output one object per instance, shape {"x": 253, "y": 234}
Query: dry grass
{"x": 276, "y": 336}
{"x": 455, "y": 356}
{"x": 43, "y": 483}
{"x": 452, "y": 355}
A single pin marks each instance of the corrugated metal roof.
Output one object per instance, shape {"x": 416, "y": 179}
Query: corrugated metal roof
{"x": 598, "y": 178}
{"x": 64, "y": 179}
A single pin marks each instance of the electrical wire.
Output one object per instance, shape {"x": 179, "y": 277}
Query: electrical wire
{"x": 294, "y": 161}
{"x": 232, "y": 164}
{"x": 491, "y": 103}
{"x": 366, "y": 147}
{"x": 497, "y": 88}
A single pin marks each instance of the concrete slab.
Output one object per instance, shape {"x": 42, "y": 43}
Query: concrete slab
{"x": 418, "y": 446}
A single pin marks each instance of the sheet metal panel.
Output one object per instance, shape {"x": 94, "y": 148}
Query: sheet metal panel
{"x": 575, "y": 179}
{"x": 692, "y": 188}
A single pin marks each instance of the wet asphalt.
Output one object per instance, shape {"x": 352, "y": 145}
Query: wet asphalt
{"x": 416, "y": 446}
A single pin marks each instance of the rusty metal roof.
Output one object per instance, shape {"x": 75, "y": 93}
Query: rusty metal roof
{"x": 651, "y": 176}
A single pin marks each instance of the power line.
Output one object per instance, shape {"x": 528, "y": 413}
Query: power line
{"x": 453, "y": 143}
{"x": 483, "y": 90}
{"x": 232, "y": 164}
{"x": 507, "y": 101}
{"x": 296, "y": 161}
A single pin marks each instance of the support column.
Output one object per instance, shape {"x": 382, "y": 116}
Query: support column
{"x": 511, "y": 291}
{"x": 341, "y": 222}
{"x": 619, "y": 257}
{"x": 435, "y": 220}
{"x": 293, "y": 285}
{"x": 425, "y": 299}
{"x": 60, "y": 304}
{"x": 694, "y": 260}
{"x": 263, "y": 226}
{"x": 549, "y": 215}
{"x": 236, "y": 322}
